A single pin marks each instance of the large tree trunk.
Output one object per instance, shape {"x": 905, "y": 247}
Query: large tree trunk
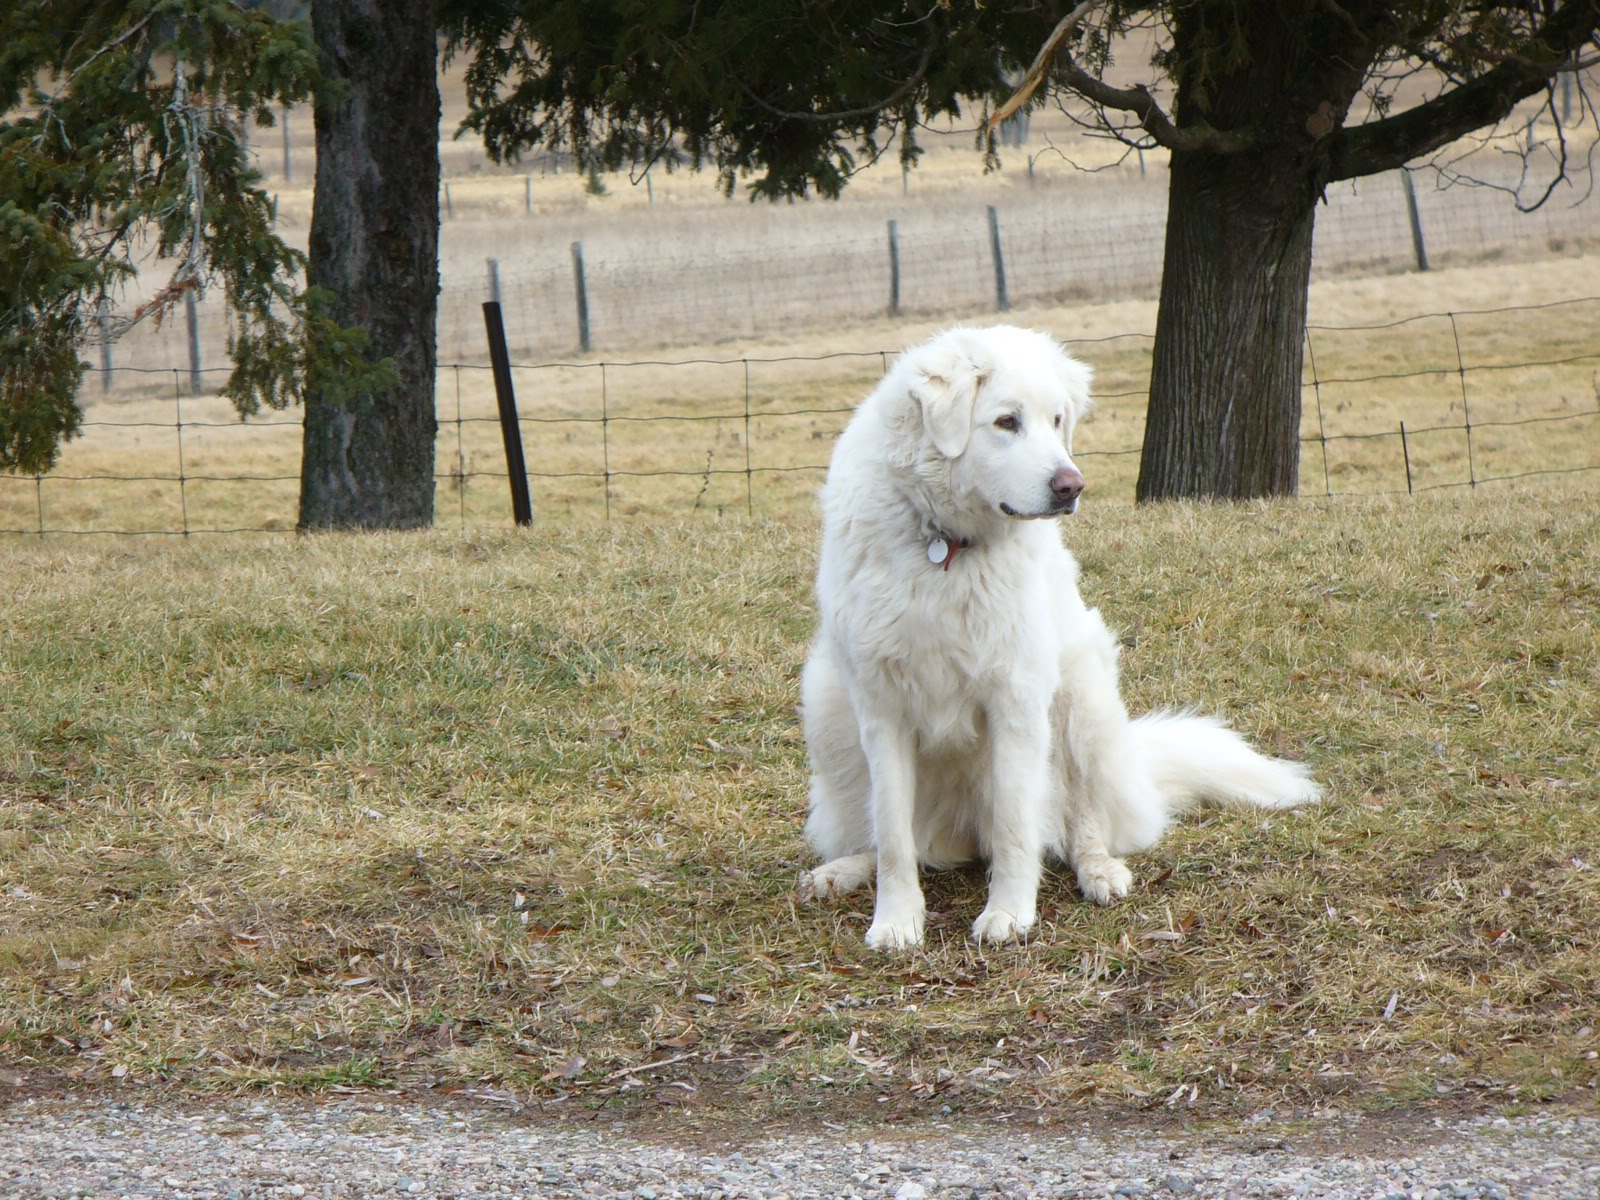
{"x": 1224, "y": 417}
{"x": 368, "y": 460}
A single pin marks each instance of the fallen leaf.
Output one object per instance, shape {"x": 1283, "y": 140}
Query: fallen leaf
{"x": 689, "y": 1037}
{"x": 568, "y": 1069}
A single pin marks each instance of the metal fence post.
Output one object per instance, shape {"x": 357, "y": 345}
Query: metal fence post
{"x": 288, "y": 169}
{"x": 582, "y": 290}
{"x": 183, "y": 473}
{"x": 510, "y": 431}
{"x": 1405, "y": 449}
{"x": 1417, "y": 244}
{"x": 527, "y": 193}
{"x": 1001, "y": 303}
{"x": 894, "y": 268}
{"x": 1466, "y": 410}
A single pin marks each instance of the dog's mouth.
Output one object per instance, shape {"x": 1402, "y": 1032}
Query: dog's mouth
{"x": 1057, "y": 509}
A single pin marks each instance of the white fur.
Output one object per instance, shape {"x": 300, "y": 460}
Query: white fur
{"x": 973, "y": 712}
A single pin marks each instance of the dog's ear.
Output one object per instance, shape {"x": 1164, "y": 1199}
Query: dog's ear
{"x": 947, "y": 410}
{"x": 1076, "y": 378}
{"x": 946, "y": 389}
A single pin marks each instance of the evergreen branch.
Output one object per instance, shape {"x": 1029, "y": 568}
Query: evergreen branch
{"x": 894, "y": 98}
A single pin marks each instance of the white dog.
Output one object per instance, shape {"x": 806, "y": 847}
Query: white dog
{"x": 960, "y": 701}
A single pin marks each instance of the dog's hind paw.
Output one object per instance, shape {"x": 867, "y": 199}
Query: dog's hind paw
{"x": 837, "y": 878}
{"x": 1104, "y": 880}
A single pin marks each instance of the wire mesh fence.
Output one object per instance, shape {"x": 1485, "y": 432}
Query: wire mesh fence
{"x": 1442, "y": 400}
{"x": 658, "y": 278}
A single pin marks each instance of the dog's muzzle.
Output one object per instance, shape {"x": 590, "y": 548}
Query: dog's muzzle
{"x": 1066, "y": 485}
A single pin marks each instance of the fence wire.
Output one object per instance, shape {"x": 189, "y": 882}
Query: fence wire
{"x": 1472, "y": 397}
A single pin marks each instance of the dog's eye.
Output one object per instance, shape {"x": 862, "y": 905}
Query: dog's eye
{"x": 1058, "y": 420}
{"x": 1010, "y": 423}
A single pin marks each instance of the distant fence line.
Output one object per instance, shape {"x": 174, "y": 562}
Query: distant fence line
{"x": 670, "y": 277}
{"x": 750, "y": 412}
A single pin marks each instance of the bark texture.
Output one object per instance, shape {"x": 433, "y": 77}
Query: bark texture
{"x": 1224, "y": 417}
{"x": 369, "y": 459}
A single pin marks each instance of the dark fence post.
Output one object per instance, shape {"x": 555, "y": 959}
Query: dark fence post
{"x": 582, "y": 290}
{"x": 894, "y": 268}
{"x": 1405, "y": 448}
{"x": 288, "y": 170}
{"x": 527, "y": 193}
{"x": 1417, "y": 244}
{"x": 1001, "y": 303}
{"x": 510, "y": 431}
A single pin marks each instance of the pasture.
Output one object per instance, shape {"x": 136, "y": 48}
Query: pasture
{"x": 518, "y": 816}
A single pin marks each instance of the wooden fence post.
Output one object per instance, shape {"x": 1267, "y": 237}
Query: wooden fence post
{"x": 1001, "y": 302}
{"x": 192, "y": 311}
{"x": 894, "y": 268}
{"x": 103, "y": 318}
{"x": 288, "y": 168}
{"x": 580, "y": 286}
{"x": 1417, "y": 243}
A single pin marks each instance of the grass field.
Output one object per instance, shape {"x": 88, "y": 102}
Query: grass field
{"x": 520, "y": 815}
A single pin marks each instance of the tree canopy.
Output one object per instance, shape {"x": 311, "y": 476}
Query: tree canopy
{"x": 122, "y": 145}
{"x": 795, "y": 97}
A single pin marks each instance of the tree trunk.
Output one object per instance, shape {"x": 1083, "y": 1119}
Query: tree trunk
{"x": 368, "y": 459}
{"x": 1224, "y": 417}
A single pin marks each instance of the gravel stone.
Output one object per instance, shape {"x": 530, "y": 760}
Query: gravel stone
{"x": 355, "y": 1149}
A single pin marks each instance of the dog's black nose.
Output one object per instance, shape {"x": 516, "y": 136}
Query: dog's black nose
{"x": 1067, "y": 484}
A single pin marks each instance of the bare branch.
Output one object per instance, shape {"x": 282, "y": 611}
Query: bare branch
{"x": 1199, "y": 137}
{"x": 1394, "y": 141}
{"x": 1034, "y": 75}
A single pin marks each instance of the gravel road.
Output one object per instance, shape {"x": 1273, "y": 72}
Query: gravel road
{"x": 289, "y": 1149}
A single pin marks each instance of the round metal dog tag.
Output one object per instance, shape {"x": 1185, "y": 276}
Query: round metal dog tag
{"x": 938, "y": 551}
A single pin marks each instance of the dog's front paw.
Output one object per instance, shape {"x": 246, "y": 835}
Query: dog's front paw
{"x": 996, "y": 925}
{"x": 900, "y": 928}
{"x": 895, "y": 935}
{"x": 1104, "y": 880}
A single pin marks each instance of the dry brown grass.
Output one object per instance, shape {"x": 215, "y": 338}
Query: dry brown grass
{"x": 523, "y": 813}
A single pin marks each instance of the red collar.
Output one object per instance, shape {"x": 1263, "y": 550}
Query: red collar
{"x": 943, "y": 549}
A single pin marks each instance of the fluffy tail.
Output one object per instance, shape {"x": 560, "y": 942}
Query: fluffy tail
{"x": 1194, "y": 759}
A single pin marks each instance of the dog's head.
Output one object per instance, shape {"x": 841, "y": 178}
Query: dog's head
{"x": 998, "y": 409}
